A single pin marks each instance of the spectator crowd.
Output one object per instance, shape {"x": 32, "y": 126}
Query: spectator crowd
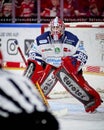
{"x": 52, "y": 8}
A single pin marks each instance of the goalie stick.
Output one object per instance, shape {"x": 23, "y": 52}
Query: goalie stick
{"x": 20, "y": 51}
{"x": 42, "y": 94}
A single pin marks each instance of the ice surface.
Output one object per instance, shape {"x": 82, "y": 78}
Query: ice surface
{"x": 71, "y": 114}
{"x": 76, "y": 118}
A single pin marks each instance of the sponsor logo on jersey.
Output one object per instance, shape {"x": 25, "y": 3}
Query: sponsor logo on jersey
{"x": 57, "y": 50}
{"x": 55, "y": 61}
{"x": 43, "y": 41}
{"x": 44, "y": 50}
{"x": 68, "y": 41}
{"x": 66, "y": 49}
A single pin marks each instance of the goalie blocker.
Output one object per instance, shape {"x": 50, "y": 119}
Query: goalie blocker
{"x": 77, "y": 86}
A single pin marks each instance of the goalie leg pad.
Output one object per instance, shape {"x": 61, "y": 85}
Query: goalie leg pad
{"x": 96, "y": 99}
{"x": 48, "y": 80}
{"x": 79, "y": 89}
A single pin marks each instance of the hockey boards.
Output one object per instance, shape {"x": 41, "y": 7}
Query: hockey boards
{"x": 80, "y": 90}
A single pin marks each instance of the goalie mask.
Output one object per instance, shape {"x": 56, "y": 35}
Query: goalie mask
{"x": 57, "y": 28}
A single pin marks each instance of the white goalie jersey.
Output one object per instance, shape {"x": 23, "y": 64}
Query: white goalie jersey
{"x": 45, "y": 49}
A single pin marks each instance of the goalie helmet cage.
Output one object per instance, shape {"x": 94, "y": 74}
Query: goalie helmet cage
{"x": 87, "y": 69}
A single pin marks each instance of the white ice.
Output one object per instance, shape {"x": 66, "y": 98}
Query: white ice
{"x": 71, "y": 113}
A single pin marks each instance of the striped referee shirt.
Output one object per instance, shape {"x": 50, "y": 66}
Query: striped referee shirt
{"x": 18, "y": 95}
